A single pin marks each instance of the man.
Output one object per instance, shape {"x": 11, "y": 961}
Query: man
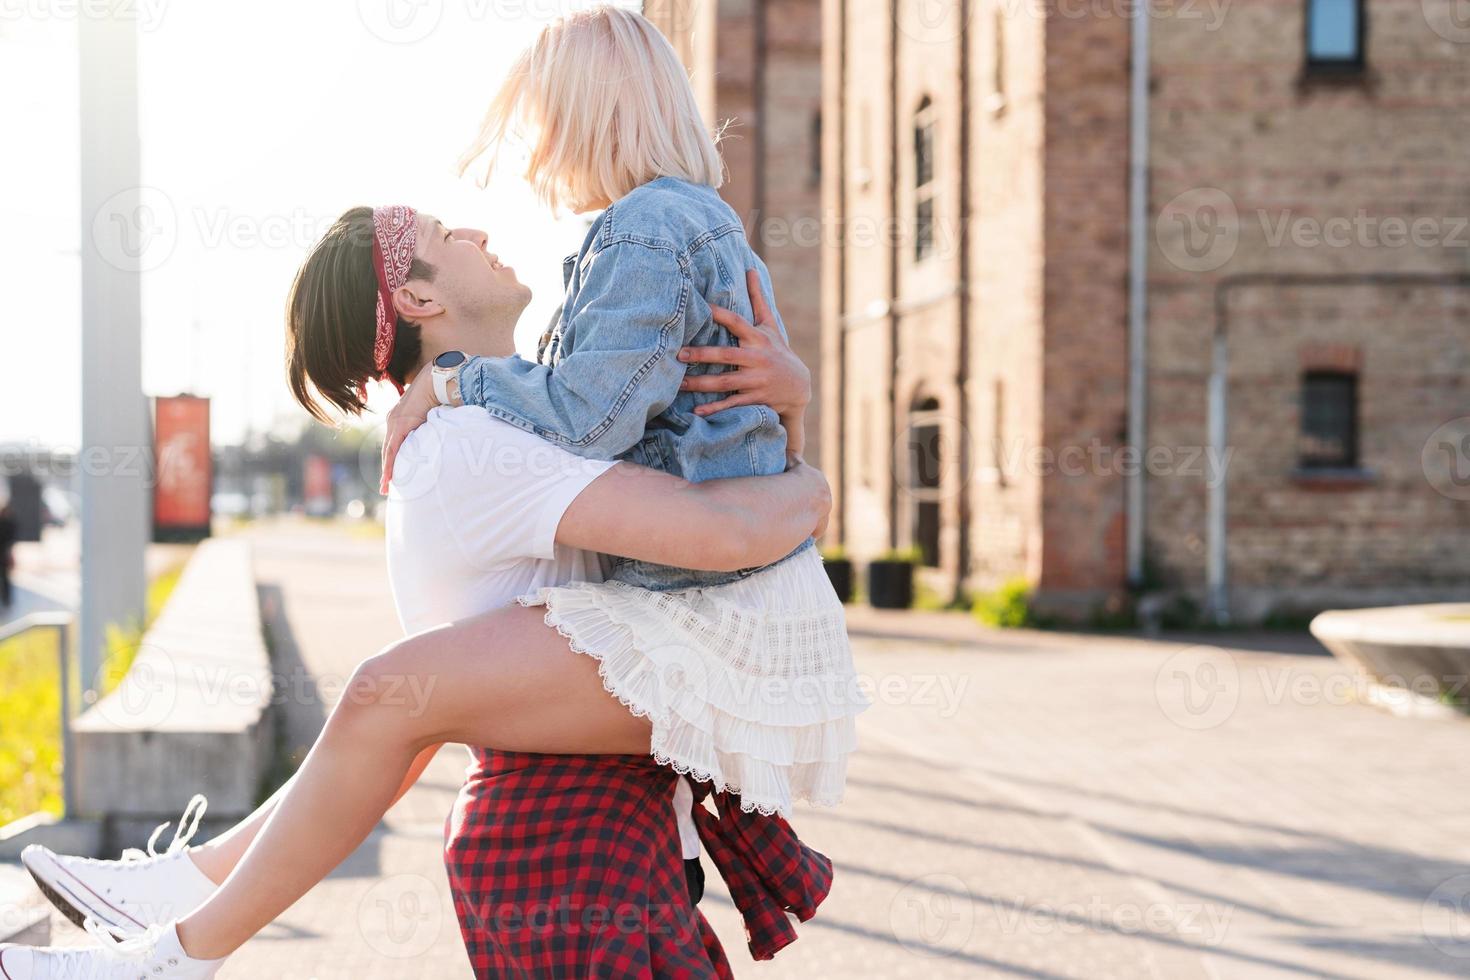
{"x": 562, "y": 865}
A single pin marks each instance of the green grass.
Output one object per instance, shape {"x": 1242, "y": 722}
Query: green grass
{"x": 30, "y": 734}
{"x": 30, "y": 707}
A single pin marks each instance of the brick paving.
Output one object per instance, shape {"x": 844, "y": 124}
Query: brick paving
{"x": 1025, "y": 805}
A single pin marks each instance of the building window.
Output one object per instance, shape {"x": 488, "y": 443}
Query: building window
{"x": 1329, "y": 435}
{"x": 1334, "y": 34}
{"x": 925, "y": 461}
{"x": 924, "y": 182}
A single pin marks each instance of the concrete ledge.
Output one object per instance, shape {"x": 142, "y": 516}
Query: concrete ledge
{"x": 191, "y": 714}
{"x": 79, "y": 837}
{"x": 24, "y": 916}
{"x": 1421, "y": 650}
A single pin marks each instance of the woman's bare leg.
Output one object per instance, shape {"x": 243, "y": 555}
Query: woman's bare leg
{"x": 504, "y": 680}
{"x": 218, "y": 856}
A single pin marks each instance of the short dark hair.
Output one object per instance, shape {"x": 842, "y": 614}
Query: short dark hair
{"x": 331, "y": 321}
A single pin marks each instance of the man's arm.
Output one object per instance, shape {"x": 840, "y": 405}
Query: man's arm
{"x": 717, "y": 525}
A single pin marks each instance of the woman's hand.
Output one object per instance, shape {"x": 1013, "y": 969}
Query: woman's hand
{"x": 768, "y": 372}
{"x": 411, "y": 412}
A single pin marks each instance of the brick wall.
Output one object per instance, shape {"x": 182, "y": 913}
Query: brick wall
{"x": 1258, "y": 168}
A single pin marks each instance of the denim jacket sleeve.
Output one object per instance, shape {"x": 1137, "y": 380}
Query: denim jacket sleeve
{"x": 627, "y": 326}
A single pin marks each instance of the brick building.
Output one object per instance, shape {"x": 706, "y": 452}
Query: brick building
{"x": 1302, "y": 318}
{"x": 757, "y": 69}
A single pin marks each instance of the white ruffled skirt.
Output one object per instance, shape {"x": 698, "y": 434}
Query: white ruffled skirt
{"x": 749, "y": 685}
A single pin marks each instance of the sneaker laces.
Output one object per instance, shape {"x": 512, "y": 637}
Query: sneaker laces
{"x": 81, "y": 963}
{"x": 187, "y": 826}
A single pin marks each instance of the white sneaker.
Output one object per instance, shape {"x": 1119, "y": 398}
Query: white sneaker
{"x": 143, "y": 889}
{"x": 154, "y": 955}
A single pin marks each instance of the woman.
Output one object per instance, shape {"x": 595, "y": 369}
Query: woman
{"x": 741, "y": 676}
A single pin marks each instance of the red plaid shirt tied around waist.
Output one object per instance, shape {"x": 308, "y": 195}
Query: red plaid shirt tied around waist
{"x": 569, "y": 866}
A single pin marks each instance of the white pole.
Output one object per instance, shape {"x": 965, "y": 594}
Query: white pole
{"x": 1136, "y": 502}
{"x": 116, "y": 233}
{"x": 1217, "y": 565}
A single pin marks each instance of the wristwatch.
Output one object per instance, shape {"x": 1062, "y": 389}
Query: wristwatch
{"x": 446, "y": 377}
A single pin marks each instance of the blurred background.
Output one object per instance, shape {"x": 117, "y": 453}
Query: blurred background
{"x": 1139, "y": 339}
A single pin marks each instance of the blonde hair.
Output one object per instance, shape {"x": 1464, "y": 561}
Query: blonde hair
{"x": 605, "y": 106}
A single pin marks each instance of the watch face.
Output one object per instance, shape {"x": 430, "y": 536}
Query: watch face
{"x": 449, "y": 359}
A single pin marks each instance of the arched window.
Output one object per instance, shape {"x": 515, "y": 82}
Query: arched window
{"x": 925, "y": 466}
{"x": 924, "y": 183}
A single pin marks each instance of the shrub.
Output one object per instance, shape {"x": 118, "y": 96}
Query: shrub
{"x": 1008, "y": 606}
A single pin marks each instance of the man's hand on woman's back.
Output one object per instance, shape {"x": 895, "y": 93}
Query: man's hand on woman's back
{"x": 767, "y": 371}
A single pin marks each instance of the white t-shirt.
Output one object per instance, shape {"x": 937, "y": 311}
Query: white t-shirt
{"x": 472, "y": 515}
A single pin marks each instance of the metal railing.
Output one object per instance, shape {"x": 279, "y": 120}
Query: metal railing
{"x": 61, "y": 622}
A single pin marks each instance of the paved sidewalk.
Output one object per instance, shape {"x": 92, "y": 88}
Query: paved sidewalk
{"x": 1025, "y": 805}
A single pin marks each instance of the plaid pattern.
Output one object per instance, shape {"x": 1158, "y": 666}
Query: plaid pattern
{"x": 771, "y": 874}
{"x": 569, "y": 866}
{"x": 566, "y": 866}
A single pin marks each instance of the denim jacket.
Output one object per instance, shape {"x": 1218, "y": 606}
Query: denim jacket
{"x": 605, "y": 384}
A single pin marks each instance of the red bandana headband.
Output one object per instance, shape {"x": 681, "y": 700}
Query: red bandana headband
{"x": 395, "y": 236}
